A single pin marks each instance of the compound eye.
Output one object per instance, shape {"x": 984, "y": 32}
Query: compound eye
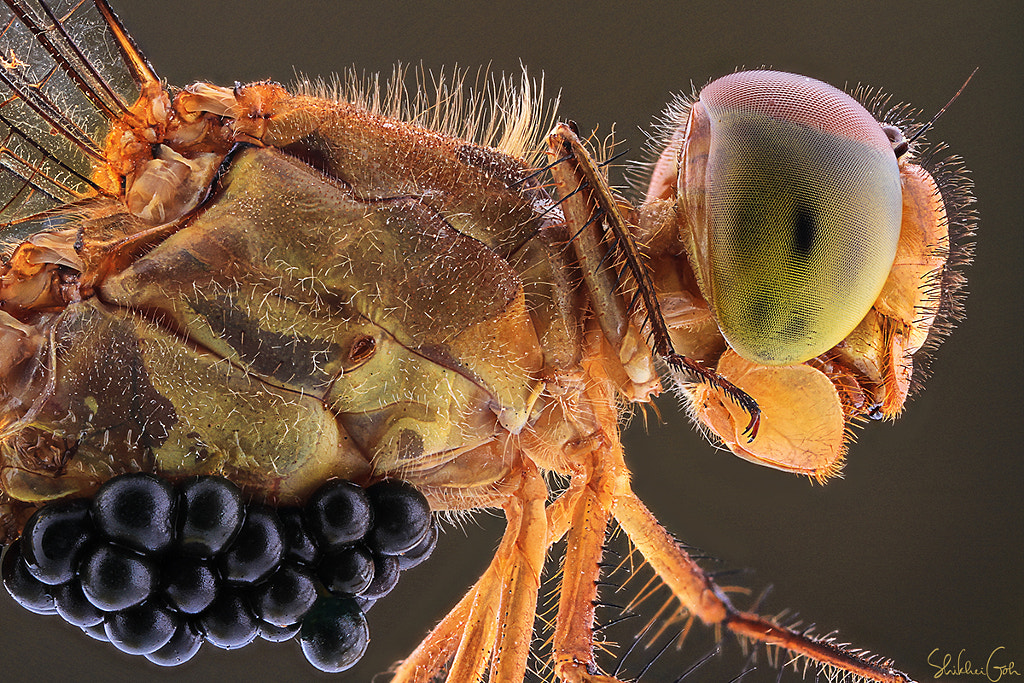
{"x": 804, "y": 208}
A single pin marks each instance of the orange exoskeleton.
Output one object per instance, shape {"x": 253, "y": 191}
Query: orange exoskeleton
{"x": 286, "y": 287}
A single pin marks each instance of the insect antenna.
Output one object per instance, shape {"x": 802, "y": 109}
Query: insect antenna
{"x": 942, "y": 111}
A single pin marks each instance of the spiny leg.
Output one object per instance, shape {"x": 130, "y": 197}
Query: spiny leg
{"x": 573, "y": 642}
{"x": 495, "y": 617}
{"x": 431, "y": 656}
{"x": 687, "y": 581}
{"x": 696, "y": 592}
{"x": 608, "y": 490}
{"x": 521, "y": 584}
{"x": 493, "y": 622}
{"x": 465, "y": 636}
{"x": 704, "y": 599}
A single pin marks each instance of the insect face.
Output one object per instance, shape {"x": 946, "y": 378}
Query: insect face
{"x": 793, "y": 197}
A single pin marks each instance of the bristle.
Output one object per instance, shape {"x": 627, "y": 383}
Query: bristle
{"x": 782, "y": 658}
{"x": 503, "y": 112}
{"x": 666, "y": 132}
{"x": 955, "y": 188}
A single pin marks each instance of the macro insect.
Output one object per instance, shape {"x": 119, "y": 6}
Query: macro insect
{"x": 284, "y": 288}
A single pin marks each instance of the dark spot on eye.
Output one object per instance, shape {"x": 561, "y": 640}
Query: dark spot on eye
{"x": 410, "y": 445}
{"x": 363, "y": 348}
{"x": 760, "y": 311}
{"x": 805, "y": 229}
{"x": 797, "y": 327}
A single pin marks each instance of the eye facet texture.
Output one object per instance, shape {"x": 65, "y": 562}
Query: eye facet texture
{"x": 804, "y": 207}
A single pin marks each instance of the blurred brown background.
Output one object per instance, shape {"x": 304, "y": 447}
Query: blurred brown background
{"x": 920, "y": 546}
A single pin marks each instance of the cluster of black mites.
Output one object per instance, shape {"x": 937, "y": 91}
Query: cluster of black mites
{"x": 157, "y": 569}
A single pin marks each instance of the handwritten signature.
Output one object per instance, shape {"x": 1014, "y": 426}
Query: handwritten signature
{"x": 992, "y": 671}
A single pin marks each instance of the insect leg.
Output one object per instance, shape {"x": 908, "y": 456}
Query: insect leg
{"x": 704, "y": 599}
{"x": 465, "y": 636}
{"x": 426, "y": 662}
{"x": 524, "y": 565}
{"x": 480, "y": 629}
{"x": 580, "y": 210}
{"x": 593, "y": 242}
{"x": 494, "y": 621}
{"x": 688, "y": 583}
{"x": 573, "y": 644}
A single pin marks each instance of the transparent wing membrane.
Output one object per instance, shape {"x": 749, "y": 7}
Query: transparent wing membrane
{"x": 66, "y": 70}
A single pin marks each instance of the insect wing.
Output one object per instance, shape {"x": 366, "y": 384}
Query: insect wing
{"x": 63, "y": 76}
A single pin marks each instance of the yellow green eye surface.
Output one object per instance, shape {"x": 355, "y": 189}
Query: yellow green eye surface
{"x": 804, "y": 207}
